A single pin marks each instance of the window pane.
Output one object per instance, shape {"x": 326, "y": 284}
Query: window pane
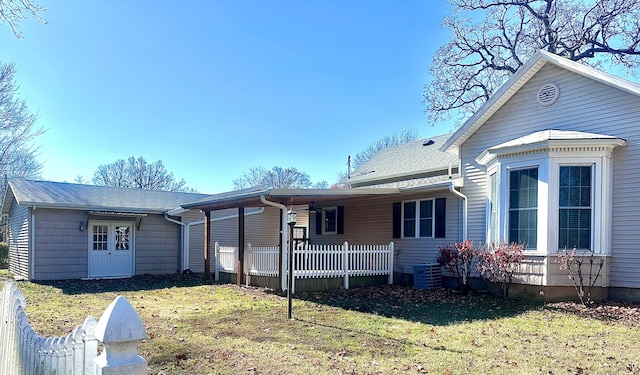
{"x": 410, "y": 210}
{"x": 575, "y": 207}
{"x": 330, "y": 221}
{"x": 409, "y": 219}
{"x": 122, "y": 237}
{"x": 523, "y": 207}
{"x": 426, "y": 218}
{"x": 100, "y": 237}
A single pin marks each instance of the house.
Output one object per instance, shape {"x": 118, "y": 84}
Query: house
{"x": 549, "y": 161}
{"x": 72, "y": 231}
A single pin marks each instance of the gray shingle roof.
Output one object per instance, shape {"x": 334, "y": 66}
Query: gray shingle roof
{"x": 91, "y": 197}
{"x": 405, "y": 160}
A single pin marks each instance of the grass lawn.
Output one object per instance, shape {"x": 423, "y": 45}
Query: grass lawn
{"x": 200, "y": 328}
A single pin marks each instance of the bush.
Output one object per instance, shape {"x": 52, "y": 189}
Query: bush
{"x": 4, "y": 255}
{"x": 499, "y": 264}
{"x": 568, "y": 261}
{"x": 458, "y": 260}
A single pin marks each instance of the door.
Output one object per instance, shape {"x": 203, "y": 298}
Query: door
{"x": 111, "y": 247}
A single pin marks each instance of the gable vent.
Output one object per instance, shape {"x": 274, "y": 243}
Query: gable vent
{"x": 548, "y": 94}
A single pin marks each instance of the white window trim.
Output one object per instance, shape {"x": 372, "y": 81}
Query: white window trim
{"x": 324, "y": 219}
{"x": 417, "y": 218}
{"x": 491, "y": 171}
{"x": 600, "y": 200}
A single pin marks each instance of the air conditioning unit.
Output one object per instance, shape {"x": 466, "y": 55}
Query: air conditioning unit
{"x": 427, "y": 276}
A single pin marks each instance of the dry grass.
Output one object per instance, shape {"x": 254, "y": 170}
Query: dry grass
{"x": 200, "y": 328}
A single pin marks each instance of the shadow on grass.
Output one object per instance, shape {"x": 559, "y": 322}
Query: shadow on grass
{"x": 136, "y": 283}
{"x": 435, "y": 307}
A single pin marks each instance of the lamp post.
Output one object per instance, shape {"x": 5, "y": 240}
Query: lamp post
{"x": 291, "y": 220}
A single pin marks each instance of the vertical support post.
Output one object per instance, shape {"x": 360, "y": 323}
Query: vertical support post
{"x": 240, "y": 245}
{"x": 290, "y": 272}
{"x": 120, "y": 330}
{"x": 345, "y": 264}
{"x": 207, "y": 245}
{"x": 391, "y": 254}
{"x": 281, "y": 244}
{"x": 216, "y": 265}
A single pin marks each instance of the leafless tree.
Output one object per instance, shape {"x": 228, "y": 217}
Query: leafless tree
{"x": 491, "y": 39}
{"x": 276, "y": 177}
{"x": 404, "y": 136}
{"x": 18, "y": 130}
{"x": 14, "y": 11}
{"x": 137, "y": 173}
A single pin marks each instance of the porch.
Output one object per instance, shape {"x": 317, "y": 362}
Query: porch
{"x": 315, "y": 267}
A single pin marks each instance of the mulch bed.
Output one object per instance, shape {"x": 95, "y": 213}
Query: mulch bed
{"x": 607, "y": 311}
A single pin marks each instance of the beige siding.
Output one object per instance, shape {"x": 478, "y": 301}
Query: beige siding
{"x": 584, "y": 105}
{"x": 18, "y": 240}
{"x": 262, "y": 229}
{"x": 369, "y": 221}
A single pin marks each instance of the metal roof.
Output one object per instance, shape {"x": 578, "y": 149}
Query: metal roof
{"x": 406, "y": 161}
{"x": 251, "y": 197}
{"x": 90, "y": 197}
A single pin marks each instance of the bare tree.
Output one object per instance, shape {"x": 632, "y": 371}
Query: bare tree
{"x": 276, "y": 177}
{"x": 137, "y": 173}
{"x": 491, "y": 39}
{"x": 14, "y": 11}
{"x": 17, "y": 130}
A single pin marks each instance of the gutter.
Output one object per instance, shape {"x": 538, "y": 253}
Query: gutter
{"x": 283, "y": 233}
{"x": 186, "y": 230}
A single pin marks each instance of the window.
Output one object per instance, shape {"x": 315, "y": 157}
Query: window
{"x": 523, "y": 207}
{"x": 330, "y": 220}
{"x": 417, "y": 218}
{"x": 575, "y": 203}
{"x": 100, "y": 237}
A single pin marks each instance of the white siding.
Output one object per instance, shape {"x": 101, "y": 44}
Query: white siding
{"x": 584, "y": 105}
{"x": 370, "y": 221}
{"x": 18, "y": 240}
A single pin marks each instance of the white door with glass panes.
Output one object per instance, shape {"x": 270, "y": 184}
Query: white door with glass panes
{"x": 110, "y": 249}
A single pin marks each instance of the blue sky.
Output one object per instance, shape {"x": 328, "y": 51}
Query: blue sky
{"x": 213, "y": 88}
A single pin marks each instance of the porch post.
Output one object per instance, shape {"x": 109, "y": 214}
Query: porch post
{"x": 207, "y": 245}
{"x": 240, "y": 245}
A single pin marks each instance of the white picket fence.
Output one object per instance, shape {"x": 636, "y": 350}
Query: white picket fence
{"x": 24, "y": 352}
{"x": 311, "y": 261}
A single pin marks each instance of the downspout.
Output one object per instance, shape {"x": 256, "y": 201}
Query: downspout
{"x": 187, "y": 231}
{"x": 32, "y": 260}
{"x": 283, "y": 233}
{"x": 464, "y": 222}
{"x": 453, "y": 190}
{"x": 185, "y": 238}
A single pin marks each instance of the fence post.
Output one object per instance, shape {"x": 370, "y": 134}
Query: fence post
{"x": 391, "y": 253}
{"x": 120, "y": 330}
{"x": 345, "y": 264}
{"x": 216, "y": 271}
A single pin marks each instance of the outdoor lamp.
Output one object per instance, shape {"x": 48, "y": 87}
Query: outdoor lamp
{"x": 291, "y": 216}
{"x": 291, "y": 220}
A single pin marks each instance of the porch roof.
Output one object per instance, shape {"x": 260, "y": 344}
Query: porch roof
{"x": 251, "y": 197}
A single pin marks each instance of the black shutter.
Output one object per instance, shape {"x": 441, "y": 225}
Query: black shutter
{"x": 441, "y": 204}
{"x": 397, "y": 220}
{"x": 318, "y": 222}
{"x": 340, "y": 220}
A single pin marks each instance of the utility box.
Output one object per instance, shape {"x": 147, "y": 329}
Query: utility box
{"x": 427, "y": 276}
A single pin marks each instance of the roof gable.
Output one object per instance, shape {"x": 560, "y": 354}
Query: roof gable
{"x": 90, "y": 197}
{"x": 520, "y": 78}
